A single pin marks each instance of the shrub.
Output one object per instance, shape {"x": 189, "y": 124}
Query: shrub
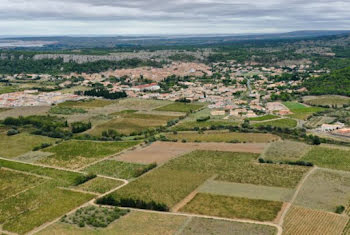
{"x": 12, "y": 132}
{"x": 340, "y": 209}
{"x": 142, "y": 170}
{"x": 203, "y": 119}
{"x": 84, "y": 178}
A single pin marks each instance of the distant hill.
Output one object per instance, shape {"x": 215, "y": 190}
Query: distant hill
{"x": 70, "y": 42}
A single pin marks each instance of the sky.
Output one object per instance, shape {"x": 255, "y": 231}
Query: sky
{"x": 147, "y": 17}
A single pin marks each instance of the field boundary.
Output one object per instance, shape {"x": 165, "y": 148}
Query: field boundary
{"x": 297, "y": 190}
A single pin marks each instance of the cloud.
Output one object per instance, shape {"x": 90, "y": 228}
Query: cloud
{"x": 175, "y": 17}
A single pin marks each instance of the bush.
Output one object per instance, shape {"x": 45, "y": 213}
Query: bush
{"x": 142, "y": 170}
{"x": 203, "y": 119}
{"x": 340, "y": 209}
{"x": 12, "y": 132}
{"x": 134, "y": 203}
{"x": 78, "y": 127}
{"x": 84, "y": 178}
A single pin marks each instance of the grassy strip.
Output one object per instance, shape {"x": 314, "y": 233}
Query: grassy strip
{"x": 329, "y": 158}
{"x": 99, "y": 185}
{"x": 233, "y": 207}
{"x": 220, "y": 136}
{"x": 180, "y": 107}
{"x": 74, "y": 154}
{"x": 64, "y": 177}
{"x": 117, "y": 169}
{"x": 263, "y": 118}
{"x": 282, "y": 123}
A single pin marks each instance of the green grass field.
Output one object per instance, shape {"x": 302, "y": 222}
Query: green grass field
{"x": 36, "y": 206}
{"x": 13, "y": 182}
{"x": 117, "y": 169}
{"x": 180, "y": 107}
{"x": 135, "y": 222}
{"x": 325, "y": 190}
{"x": 40, "y": 204}
{"x": 130, "y": 122}
{"x": 283, "y": 123}
{"x": 328, "y": 100}
{"x": 333, "y": 158}
{"x": 13, "y": 146}
{"x": 263, "y": 118}
{"x": 66, "y": 110}
{"x": 74, "y": 154}
{"x": 92, "y": 103}
{"x": 222, "y": 136}
{"x": 65, "y": 178}
{"x": 210, "y": 226}
{"x": 301, "y": 111}
{"x": 99, "y": 185}
{"x": 247, "y": 191}
{"x": 286, "y": 151}
{"x": 233, "y": 207}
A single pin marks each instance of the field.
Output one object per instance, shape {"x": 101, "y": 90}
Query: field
{"x": 327, "y": 100}
{"x": 333, "y": 158}
{"x": 13, "y": 146}
{"x": 246, "y": 190}
{"x": 282, "y": 123}
{"x": 138, "y": 223}
{"x": 180, "y": 107}
{"x": 238, "y": 168}
{"x": 233, "y": 207}
{"x": 286, "y": 151}
{"x": 25, "y": 111}
{"x": 13, "y": 182}
{"x": 263, "y": 118}
{"x": 169, "y": 183}
{"x": 99, "y": 185}
{"x": 37, "y": 205}
{"x": 162, "y": 185}
{"x": 117, "y": 169}
{"x": 301, "y": 111}
{"x": 305, "y": 221}
{"x": 66, "y": 110}
{"x": 220, "y": 136}
{"x": 161, "y": 152}
{"x": 74, "y": 154}
{"x": 92, "y": 103}
{"x": 130, "y": 122}
{"x": 210, "y": 226}
{"x": 325, "y": 190}
{"x": 317, "y": 121}
{"x": 189, "y": 125}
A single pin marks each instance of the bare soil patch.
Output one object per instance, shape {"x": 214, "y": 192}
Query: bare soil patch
{"x": 161, "y": 152}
